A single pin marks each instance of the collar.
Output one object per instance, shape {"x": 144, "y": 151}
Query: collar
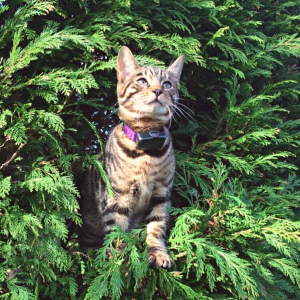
{"x": 148, "y": 140}
{"x": 129, "y": 132}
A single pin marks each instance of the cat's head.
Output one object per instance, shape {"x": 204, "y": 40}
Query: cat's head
{"x": 147, "y": 96}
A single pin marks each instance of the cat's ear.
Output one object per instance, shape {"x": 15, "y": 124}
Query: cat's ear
{"x": 126, "y": 64}
{"x": 176, "y": 67}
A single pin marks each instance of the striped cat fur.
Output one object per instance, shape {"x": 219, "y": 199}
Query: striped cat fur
{"x": 141, "y": 179}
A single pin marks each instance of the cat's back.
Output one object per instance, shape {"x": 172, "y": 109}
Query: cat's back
{"x": 92, "y": 199}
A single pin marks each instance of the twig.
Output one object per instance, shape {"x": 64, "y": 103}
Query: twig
{"x": 12, "y": 157}
{"x": 6, "y": 140}
{"x": 66, "y": 101}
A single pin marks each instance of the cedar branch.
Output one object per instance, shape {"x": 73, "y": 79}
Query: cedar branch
{"x": 12, "y": 157}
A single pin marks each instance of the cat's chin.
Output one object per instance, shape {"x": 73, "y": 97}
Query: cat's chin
{"x": 154, "y": 109}
{"x": 148, "y": 116}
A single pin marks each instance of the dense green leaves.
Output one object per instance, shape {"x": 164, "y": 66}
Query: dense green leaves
{"x": 234, "y": 228}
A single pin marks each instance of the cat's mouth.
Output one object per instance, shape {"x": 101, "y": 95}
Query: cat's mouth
{"x": 155, "y": 101}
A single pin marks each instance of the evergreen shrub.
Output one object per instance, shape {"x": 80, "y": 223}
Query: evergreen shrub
{"x": 235, "y": 227}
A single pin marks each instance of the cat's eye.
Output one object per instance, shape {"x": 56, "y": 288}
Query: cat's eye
{"x": 142, "y": 81}
{"x": 167, "y": 85}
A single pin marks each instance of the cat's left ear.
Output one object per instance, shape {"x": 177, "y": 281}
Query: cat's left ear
{"x": 126, "y": 64}
{"x": 176, "y": 67}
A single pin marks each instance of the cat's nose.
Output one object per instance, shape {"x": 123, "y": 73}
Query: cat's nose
{"x": 157, "y": 92}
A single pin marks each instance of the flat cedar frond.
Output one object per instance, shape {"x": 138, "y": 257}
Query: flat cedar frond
{"x": 234, "y": 225}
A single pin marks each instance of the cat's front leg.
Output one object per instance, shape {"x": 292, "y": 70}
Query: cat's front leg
{"x": 116, "y": 214}
{"x": 157, "y": 220}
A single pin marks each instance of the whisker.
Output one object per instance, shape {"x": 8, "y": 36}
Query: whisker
{"x": 171, "y": 117}
{"x": 167, "y": 106}
{"x": 186, "y": 107}
{"x": 182, "y": 99}
{"x": 139, "y": 116}
{"x": 177, "y": 113}
{"x": 186, "y": 113}
{"x": 113, "y": 111}
{"x": 174, "y": 111}
{"x": 183, "y": 112}
{"x": 126, "y": 100}
{"x": 170, "y": 112}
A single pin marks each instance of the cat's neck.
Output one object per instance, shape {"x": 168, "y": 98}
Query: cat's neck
{"x": 146, "y": 124}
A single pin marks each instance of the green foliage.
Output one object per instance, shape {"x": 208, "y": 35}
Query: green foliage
{"x": 235, "y": 231}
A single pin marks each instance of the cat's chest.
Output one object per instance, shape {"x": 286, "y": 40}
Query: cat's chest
{"x": 144, "y": 177}
{"x": 134, "y": 173}
{"x": 141, "y": 199}
{"x": 143, "y": 174}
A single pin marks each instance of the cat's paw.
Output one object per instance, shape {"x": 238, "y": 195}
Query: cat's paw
{"x": 159, "y": 258}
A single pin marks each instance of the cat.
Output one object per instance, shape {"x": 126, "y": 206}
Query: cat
{"x": 141, "y": 177}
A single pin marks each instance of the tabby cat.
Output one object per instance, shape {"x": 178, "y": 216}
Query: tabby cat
{"x": 141, "y": 179}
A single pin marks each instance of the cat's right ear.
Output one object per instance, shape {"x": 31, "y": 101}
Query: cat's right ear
{"x": 126, "y": 64}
